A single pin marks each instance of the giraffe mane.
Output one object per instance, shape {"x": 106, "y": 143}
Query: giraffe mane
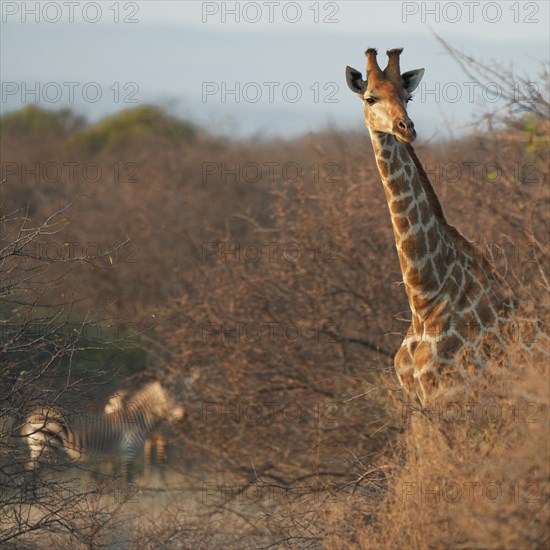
{"x": 437, "y": 209}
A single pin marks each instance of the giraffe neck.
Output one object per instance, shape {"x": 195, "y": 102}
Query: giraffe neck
{"x": 426, "y": 243}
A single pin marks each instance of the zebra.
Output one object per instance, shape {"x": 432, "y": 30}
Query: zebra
{"x": 116, "y": 404}
{"x": 122, "y": 433}
{"x": 46, "y": 429}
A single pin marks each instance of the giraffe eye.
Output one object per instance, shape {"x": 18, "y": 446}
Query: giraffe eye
{"x": 371, "y": 100}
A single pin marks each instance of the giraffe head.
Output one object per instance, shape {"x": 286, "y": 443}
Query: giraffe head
{"x": 385, "y": 94}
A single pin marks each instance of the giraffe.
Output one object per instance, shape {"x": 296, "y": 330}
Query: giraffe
{"x": 459, "y": 304}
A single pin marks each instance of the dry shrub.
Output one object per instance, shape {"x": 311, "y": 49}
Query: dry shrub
{"x": 472, "y": 471}
{"x": 65, "y": 513}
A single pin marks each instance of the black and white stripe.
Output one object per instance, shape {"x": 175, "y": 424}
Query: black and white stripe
{"x": 122, "y": 433}
{"x": 157, "y": 440}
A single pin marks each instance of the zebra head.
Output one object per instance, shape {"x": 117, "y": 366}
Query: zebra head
{"x": 116, "y": 402}
{"x": 176, "y": 413}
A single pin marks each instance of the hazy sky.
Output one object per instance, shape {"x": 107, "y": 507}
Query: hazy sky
{"x": 259, "y": 68}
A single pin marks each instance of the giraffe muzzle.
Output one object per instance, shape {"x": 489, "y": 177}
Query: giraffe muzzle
{"x": 404, "y": 130}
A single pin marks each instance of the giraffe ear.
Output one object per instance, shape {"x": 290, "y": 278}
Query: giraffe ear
{"x": 355, "y": 81}
{"x": 411, "y": 79}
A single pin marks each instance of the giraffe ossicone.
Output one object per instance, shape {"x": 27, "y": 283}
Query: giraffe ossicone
{"x": 457, "y": 300}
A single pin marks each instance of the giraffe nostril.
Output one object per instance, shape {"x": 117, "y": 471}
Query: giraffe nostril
{"x": 405, "y": 125}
